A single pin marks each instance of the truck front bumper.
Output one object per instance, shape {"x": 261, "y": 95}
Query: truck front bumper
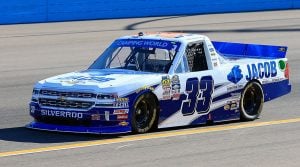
{"x": 93, "y": 121}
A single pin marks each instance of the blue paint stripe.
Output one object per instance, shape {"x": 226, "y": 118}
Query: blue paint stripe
{"x": 226, "y": 95}
{"x": 276, "y": 89}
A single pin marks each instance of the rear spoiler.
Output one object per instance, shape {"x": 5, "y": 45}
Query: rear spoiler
{"x": 240, "y": 50}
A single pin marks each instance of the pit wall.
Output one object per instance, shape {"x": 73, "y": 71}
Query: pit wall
{"x": 35, "y": 11}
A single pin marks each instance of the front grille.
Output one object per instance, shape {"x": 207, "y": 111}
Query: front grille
{"x": 67, "y": 94}
{"x": 65, "y": 103}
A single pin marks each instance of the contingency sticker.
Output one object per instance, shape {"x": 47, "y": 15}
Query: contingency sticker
{"x": 176, "y": 87}
{"x": 166, "y": 86}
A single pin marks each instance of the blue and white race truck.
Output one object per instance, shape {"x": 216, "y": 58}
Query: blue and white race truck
{"x": 159, "y": 80}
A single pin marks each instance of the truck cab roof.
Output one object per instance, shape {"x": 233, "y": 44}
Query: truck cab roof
{"x": 170, "y": 36}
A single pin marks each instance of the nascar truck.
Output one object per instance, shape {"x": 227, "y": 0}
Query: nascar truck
{"x": 157, "y": 80}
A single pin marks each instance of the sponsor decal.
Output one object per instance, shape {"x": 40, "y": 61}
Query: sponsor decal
{"x": 235, "y": 75}
{"x": 121, "y": 111}
{"x": 32, "y": 109}
{"x": 166, "y": 82}
{"x": 213, "y": 54}
{"x": 214, "y": 59}
{"x": 226, "y": 107}
{"x": 211, "y": 49}
{"x": 106, "y": 115}
{"x": 265, "y": 81}
{"x": 281, "y": 65}
{"x": 122, "y": 116}
{"x": 81, "y": 79}
{"x": 282, "y": 49}
{"x": 237, "y": 96}
{"x": 261, "y": 70}
{"x": 234, "y": 87}
{"x": 234, "y": 106}
{"x": 64, "y": 114}
{"x": 166, "y": 94}
{"x": 95, "y": 117}
{"x": 231, "y": 105}
{"x": 72, "y": 82}
{"x": 121, "y": 102}
{"x": 122, "y": 99}
{"x": 166, "y": 86}
{"x": 147, "y": 43}
{"x": 123, "y": 123}
{"x": 62, "y": 98}
{"x": 175, "y": 87}
{"x": 144, "y": 88}
{"x": 277, "y": 79}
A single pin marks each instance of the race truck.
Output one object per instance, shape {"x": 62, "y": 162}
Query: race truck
{"x": 158, "y": 80}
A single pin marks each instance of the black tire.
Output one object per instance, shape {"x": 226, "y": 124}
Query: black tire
{"x": 144, "y": 114}
{"x": 252, "y": 101}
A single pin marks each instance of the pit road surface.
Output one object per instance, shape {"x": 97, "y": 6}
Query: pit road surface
{"x": 32, "y": 52}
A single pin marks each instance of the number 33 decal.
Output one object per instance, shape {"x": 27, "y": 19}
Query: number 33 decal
{"x": 198, "y": 95}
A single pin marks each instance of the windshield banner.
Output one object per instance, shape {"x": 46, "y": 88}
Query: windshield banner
{"x": 147, "y": 43}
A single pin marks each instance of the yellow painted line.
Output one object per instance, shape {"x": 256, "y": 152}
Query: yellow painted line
{"x": 149, "y": 136}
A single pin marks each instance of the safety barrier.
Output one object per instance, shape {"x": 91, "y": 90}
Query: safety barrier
{"x": 31, "y": 11}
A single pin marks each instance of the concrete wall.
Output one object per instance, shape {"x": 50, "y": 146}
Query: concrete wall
{"x": 28, "y": 11}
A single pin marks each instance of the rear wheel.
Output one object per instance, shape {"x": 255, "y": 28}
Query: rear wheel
{"x": 144, "y": 114}
{"x": 251, "y": 101}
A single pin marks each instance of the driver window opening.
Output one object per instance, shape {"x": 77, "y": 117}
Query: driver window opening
{"x": 196, "y": 57}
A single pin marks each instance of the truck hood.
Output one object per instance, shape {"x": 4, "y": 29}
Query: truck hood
{"x": 101, "y": 81}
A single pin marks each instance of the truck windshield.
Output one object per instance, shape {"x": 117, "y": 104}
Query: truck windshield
{"x": 138, "y": 54}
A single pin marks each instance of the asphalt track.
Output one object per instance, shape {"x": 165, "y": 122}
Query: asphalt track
{"x": 31, "y": 52}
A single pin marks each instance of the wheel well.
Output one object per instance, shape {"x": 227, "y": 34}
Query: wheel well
{"x": 244, "y": 112}
{"x": 156, "y": 100}
{"x": 257, "y": 81}
{"x": 253, "y": 80}
{"x": 157, "y": 110}
{"x": 154, "y": 96}
{"x": 150, "y": 94}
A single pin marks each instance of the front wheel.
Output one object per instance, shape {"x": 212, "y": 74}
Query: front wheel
{"x": 252, "y": 100}
{"x": 144, "y": 114}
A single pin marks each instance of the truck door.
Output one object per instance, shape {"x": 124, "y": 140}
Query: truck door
{"x": 196, "y": 83}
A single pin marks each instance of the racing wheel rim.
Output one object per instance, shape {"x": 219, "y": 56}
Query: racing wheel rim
{"x": 252, "y": 101}
{"x": 144, "y": 115}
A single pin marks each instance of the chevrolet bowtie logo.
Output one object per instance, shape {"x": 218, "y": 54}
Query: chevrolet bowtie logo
{"x": 62, "y": 98}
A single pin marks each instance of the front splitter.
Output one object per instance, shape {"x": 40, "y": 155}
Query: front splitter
{"x": 79, "y": 129}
